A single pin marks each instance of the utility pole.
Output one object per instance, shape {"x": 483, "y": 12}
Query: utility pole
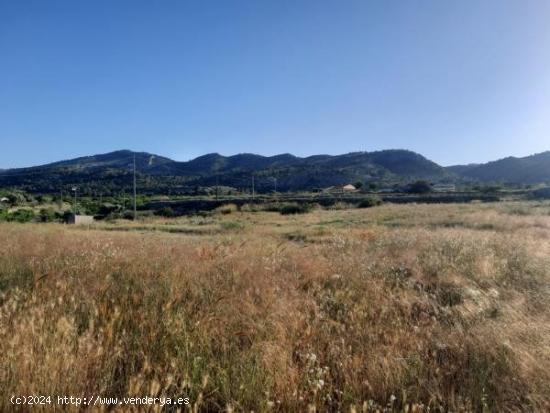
{"x": 217, "y": 184}
{"x": 74, "y": 206}
{"x": 135, "y": 190}
{"x": 253, "y": 187}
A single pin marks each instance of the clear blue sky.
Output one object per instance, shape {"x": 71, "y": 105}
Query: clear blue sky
{"x": 458, "y": 81}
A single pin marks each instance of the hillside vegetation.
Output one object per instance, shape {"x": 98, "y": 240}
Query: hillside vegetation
{"x": 403, "y": 308}
{"x": 532, "y": 169}
{"x": 113, "y": 172}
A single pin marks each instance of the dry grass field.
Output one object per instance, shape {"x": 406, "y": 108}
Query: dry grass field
{"x": 408, "y": 308}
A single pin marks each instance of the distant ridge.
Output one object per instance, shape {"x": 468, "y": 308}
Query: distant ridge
{"x": 112, "y": 172}
{"x": 532, "y": 169}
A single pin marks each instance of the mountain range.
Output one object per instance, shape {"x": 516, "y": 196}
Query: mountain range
{"x": 113, "y": 172}
{"x": 532, "y": 169}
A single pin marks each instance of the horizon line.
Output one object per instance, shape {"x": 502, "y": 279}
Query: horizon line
{"x": 267, "y": 156}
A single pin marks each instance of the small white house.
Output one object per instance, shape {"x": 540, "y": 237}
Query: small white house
{"x": 349, "y": 188}
{"x": 339, "y": 189}
{"x": 80, "y": 219}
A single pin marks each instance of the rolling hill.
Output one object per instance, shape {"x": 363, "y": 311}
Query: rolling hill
{"x": 532, "y": 169}
{"x": 112, "y": 172}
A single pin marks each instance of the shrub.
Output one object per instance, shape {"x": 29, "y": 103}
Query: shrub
{"x": 108, "y": 208}
{"x": 129, "y": 215}
{"x": 287, "y": 208}
{"x": 44, "y": 199}
{"x": 296, "y": 236}
{"x": 294, "y": 208}
{"x": 449, "y": 295}
{"x": 227, "y": 209}
{"x": 15, "y": 198}
{"x": 145, "y": 214}
{"x": 165, "y": 212}
{"x": 232, "y": 226}
{"x": 21, "y": 215}
{"x": 369, "y": 202}
{"x": 251, "y": 208}
{"x": 47, "y": 215}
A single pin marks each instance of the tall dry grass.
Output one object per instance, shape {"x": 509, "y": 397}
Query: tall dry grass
{"x": 361, "y": 319}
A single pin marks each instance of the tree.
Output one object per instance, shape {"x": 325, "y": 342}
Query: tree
{"x": 420, "y": 187}
{"x": 47, "y": 215}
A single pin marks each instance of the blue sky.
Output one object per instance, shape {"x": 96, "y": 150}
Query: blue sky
{"x": 458, "y": 81}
